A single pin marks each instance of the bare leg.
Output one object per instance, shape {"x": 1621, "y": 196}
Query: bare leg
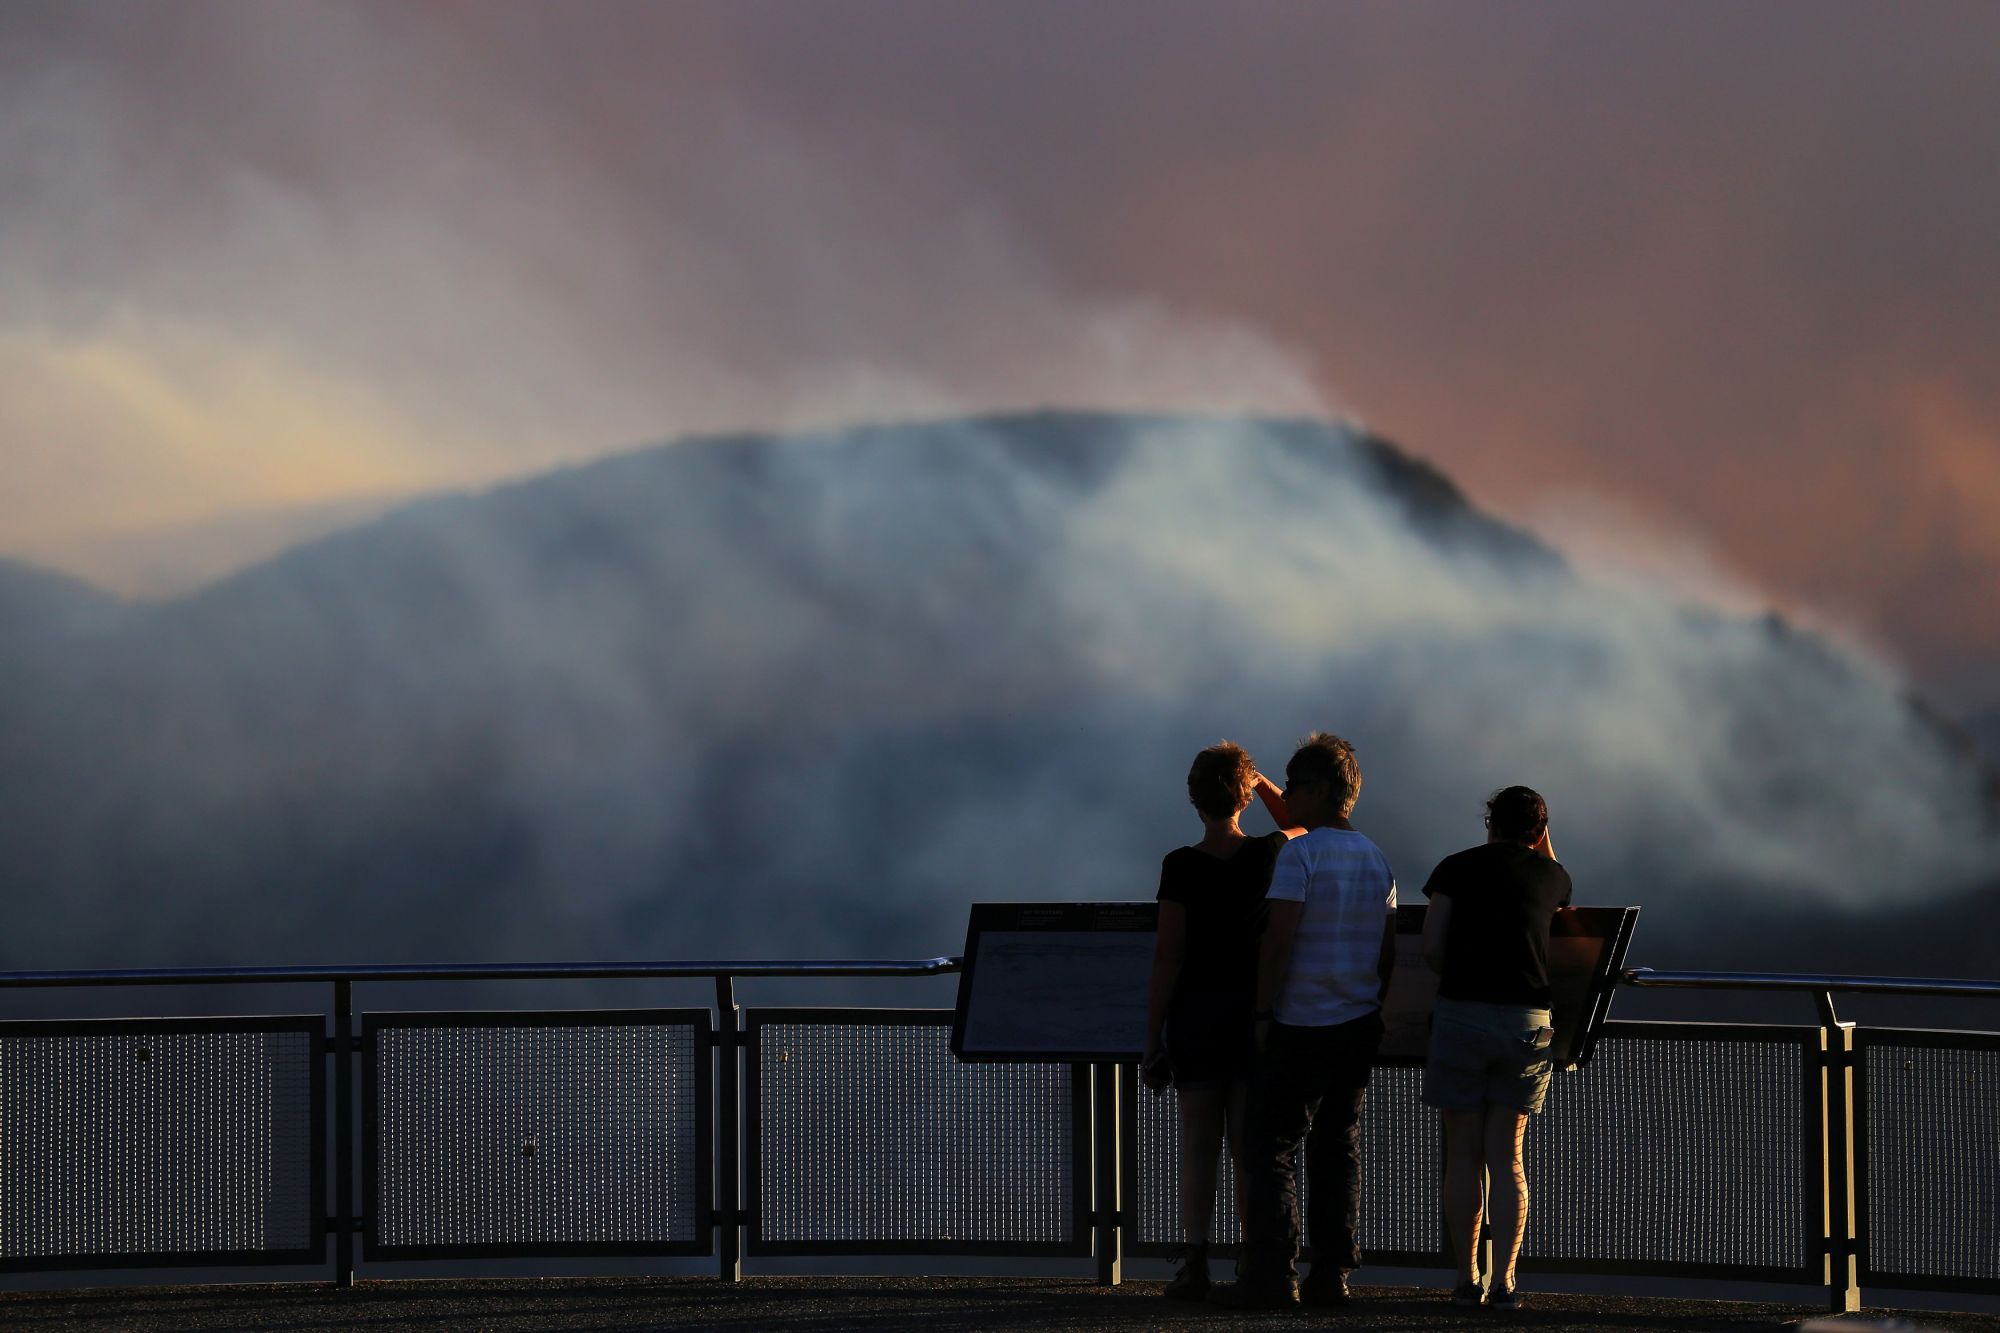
{"x": 1202, "y": 1112}
{"x": 1239, "y": 1125}
{"x": 1504, "y": 1128}
{"x": 1464, "y": 1186}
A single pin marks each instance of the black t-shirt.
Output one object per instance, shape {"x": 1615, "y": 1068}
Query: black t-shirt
{"x": 1224, "y": 900}
{"x": 1503, "y": 897}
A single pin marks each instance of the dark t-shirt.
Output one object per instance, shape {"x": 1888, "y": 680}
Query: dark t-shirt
{"x": 1503, "y": 897}
{"x": 1224, "y": 900}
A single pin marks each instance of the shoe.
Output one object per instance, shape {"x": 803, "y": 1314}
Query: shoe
{"x": 1468, "y": 1295}
{"x": 1258, "y": 1295}
{"x": 1191, "y": 1279}
{"x": 1503, "y": 1299}
{"x": 1329, "y": 1292}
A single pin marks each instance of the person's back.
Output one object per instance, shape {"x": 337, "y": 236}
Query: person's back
{"x": 1223, "y": 898}
{"x": 1343, "y": 885}
{"x": 1497, "y": 947}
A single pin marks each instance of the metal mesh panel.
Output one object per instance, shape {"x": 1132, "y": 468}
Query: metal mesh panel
{"x": 1933, "y": 1144}
{"x": 1683, "y": 1151}
{"x": 874, "y": 1133}
{"x": 1688, "y": 1151}
{"x": 1399, "y": 1171}
{"x": 135, "y": 1141}
{"x": 520, "y": 1136}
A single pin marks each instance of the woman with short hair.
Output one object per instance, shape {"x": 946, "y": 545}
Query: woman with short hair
{"x": 1199, "y": 1003}
{"x": 1486, "y": 935}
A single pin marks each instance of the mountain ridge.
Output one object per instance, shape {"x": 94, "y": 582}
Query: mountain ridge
{"x": 657, "y": 702}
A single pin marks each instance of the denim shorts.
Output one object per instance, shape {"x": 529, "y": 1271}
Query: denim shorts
{"x": 1486, "y": 1054}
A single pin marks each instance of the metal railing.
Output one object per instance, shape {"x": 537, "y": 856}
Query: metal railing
{"x": 1815, "y": 1155}
{"x": 1945, "y": 1179}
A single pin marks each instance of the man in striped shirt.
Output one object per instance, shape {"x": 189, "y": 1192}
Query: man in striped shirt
{"x": 1328, "y": 946}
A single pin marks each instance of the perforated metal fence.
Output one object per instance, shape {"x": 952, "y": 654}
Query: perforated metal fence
{"x": 1677, "y": 1149}
{"x": 161, "y": 1142}
{"x": 1400, "y": 1168}
{"x": 865, "y": 1135}
{"x": 1701, "y": 1149}
{"x": 542, "y": 1133}
{"x": 1681, "y": 1146}
{"x": 1928, "y": 1131}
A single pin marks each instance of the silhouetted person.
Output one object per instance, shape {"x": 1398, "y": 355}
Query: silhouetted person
{"x": 1322, "y": 970}
{"x": 1198, "y": 1006}
{"x": 1486, "y": 935}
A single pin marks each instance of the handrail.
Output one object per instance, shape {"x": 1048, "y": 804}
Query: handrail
{"x": 1786, "y": 981}
{"x": 202, "y": 976}
{"x": 923, "y": 967}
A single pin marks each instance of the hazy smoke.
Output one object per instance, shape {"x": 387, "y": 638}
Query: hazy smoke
{"x": 440, "y": 253}
{"x": 812, "y": 696}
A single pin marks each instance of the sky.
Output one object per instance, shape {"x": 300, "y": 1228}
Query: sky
{"x": 1711, "y": 285}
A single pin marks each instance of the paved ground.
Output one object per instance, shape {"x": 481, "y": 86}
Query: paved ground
{"x": 802, "y": 1303}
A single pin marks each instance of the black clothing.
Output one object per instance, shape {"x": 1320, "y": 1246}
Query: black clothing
{"x": 1210, "y": 1040}
{"x": 1503, "y": 897}
{"x": 1311, "y": 1084}
{"x": 1224, "y": 900}
{"x": 1208, "y": 1037}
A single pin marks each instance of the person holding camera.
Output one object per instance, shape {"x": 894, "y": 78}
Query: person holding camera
{"x": 1198, "y": 1023}
{"x": 1486, "y": 935}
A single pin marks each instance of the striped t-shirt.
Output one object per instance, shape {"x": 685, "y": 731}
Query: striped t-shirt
{"x": 1348, "y": 892}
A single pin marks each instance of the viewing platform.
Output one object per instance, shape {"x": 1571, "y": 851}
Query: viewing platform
{"x": 814, "y": 1303}
{"x": 403, "y": 1158}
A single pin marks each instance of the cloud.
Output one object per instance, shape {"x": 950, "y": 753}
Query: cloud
{"x": 1690, "y": 256}
{"x": 400, "y": 276}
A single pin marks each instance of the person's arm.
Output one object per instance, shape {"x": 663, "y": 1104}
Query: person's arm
{"x": 1543, "y": 845}
{"x": 1169, "y": 949}
{"x": 1274, "y": 958}
{"x": 1437, "y": 924}
{"x": 1273, "y": 798}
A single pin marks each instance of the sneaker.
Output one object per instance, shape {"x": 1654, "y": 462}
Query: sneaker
{"x": 1467, "y": 1294}
{"x": 1257, "y": 1294}
{"x": 1191, "y": 1279}
{"x": 1326, "y": 1292}
{"x": 1503, "y": 1298}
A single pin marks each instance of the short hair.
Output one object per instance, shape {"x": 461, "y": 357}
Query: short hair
{"x": 1325, "y": 757}
{"x": 1222, "y": 779}
{"x": 1518, "y": 814}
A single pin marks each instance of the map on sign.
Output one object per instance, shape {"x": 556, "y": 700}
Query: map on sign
{"x": 1586, "y": 949}
{"x": 1054, "y": 982}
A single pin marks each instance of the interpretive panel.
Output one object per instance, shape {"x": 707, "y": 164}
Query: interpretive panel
{"x": 1054, "y": 982}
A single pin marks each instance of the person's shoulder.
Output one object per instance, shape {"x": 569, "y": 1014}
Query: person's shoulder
{"x": 1352, "y": 842}
{"x": 1455, "y": 868}
{"x": 1177, "y": 869}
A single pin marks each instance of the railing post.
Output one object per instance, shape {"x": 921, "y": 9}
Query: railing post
{"x": 343, "y": 1133}
{"x": 1843, "y": 1284}
{"x": 728, "y": 1133}
{"x": 1105, "y": 1156}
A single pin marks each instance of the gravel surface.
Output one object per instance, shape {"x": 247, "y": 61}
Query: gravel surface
{"x": 850, "y": 1302}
